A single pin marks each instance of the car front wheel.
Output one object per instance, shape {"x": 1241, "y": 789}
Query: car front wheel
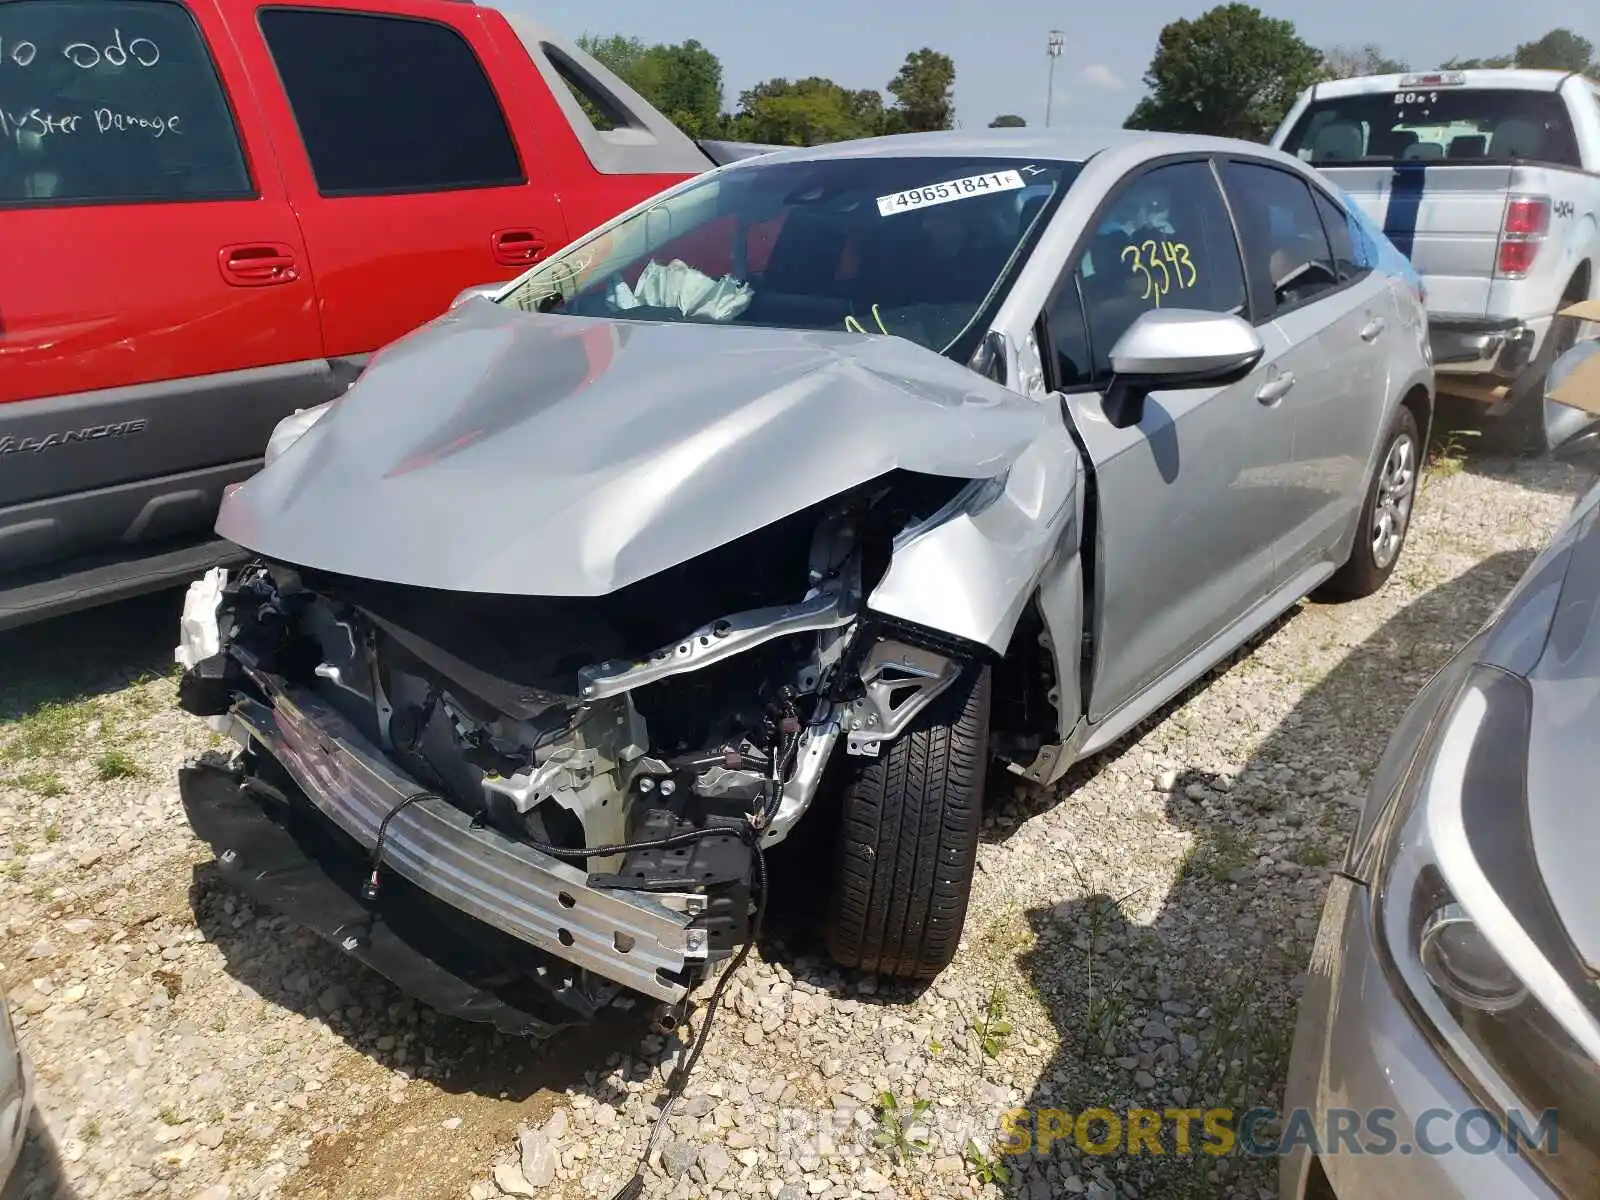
{"x": 1385, "y": 515}
{"x": 908, "y": 840}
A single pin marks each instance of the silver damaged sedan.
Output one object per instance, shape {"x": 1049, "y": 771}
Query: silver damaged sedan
{"x": 777, "y": 509}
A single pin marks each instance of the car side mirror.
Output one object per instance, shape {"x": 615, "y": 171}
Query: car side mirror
{"x": 1177, "y": 348}
{"x": 482, "y": 289}
{"x": 1572, "y": 402}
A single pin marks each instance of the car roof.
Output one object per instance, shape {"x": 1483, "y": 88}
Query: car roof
{"x": 1518, "y": 79}
{"x": 1064, "y": 144}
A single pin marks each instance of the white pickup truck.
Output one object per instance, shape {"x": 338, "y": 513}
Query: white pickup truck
{"x": 1489, "y": 181}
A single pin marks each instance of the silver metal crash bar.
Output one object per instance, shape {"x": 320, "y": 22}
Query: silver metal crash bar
{"x": 531, "y": 896}
{"x": 721, "y": 639}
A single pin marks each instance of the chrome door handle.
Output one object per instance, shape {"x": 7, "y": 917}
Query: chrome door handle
{"x": 1280, "y": 387}
{"x": 1371, "y": 330}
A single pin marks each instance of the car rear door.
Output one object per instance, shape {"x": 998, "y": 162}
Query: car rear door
{"x": 1334, "y": 317}
{"x": 399, "y": 160}
{"x": 1189, "y": 501}
{"x": 157, "y": 314}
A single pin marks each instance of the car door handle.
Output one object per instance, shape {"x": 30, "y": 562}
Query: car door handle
{"x": 1277, "y": 389}
{"x": 257, "y": 264}
{"x": 1371, "y": 331}
{"x": 516, "y": 247}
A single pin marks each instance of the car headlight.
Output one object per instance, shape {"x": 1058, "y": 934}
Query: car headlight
{"x": 291, "y": 429}
{"x": 1464, "y": 922}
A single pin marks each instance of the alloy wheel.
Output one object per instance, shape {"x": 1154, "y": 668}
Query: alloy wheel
{"x": 1391, "y": 514}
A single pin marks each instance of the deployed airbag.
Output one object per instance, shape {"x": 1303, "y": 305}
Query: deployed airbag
{"x": 678, "y": 285}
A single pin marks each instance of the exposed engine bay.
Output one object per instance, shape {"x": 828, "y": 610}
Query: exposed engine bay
{"x": 587, "y": 775}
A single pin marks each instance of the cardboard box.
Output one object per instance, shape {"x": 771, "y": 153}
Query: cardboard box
{"x": 1581, "y": 388}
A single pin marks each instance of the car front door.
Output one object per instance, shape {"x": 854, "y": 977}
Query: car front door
{"x": 1334, "y": 313}
{"x": 399, "y": 158}
{"x": 1188, "y": 501}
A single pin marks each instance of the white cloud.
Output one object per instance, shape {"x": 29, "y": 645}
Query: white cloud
{"x": 1101, "y": 76}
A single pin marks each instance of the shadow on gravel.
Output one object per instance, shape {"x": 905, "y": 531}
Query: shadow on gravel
{"x": 294, "y": 969}
{"x": 1014, "y": 802}
{"x": 39, "y": 1174}
{"x": 88, "y": 653}
{"x": 1462, "y": 435}
{"x": 1190, "y": 1010}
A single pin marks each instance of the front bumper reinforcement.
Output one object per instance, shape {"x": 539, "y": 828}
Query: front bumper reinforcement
{"x": 629, "y": 939}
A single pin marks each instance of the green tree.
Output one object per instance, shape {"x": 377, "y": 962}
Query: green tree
{"x": 618, "y": 53}
{"x": 1348, "y": 62}
{"x": 683, "y": 81}
{"x": 806, "y": 112}
{"x": 1496, "y": 61}
{"x": 1231, "y": 71}
{"x": 1558, "y": 50}
{"x": 924, "y": 91}
{"x": 1007, "y": 121}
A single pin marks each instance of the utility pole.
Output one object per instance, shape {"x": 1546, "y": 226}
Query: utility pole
{"x": 1058, "y": 40}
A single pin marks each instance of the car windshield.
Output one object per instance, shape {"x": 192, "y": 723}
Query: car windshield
{"x": 1438, "y": 124}
{"x": 922, "y": 248}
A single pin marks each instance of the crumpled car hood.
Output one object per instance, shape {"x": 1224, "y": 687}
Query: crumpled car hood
{"x": 500, "y": 451}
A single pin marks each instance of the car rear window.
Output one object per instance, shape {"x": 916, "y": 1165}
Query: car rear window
{"x": 111, "y": 101}
{"x": 1441, "y": 124}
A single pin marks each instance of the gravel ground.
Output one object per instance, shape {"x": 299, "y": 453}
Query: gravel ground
{"x": 1134, "y": 941}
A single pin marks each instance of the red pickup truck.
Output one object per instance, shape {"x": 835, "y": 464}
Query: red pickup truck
{"x": 212, "y": 212}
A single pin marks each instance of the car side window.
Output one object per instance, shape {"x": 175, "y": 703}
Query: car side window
{"x": 389, "y": 105}
{"x": 1351, "y": 255}
{"x": 112, "y": 102}
{"x": 1164, "y": 241}
{"x": 1285, "y": 245}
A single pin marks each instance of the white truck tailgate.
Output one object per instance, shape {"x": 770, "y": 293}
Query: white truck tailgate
{"x": 1445, "y": 218}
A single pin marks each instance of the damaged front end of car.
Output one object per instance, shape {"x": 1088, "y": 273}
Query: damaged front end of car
{"x": 531, "y": 796}
{"x": 494, "y": 743}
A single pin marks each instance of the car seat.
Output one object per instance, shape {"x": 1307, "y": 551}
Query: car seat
{"x": 800, "y": 284}
{"x": 1517, "y": 137}
{"x": 1467, "y": 146}
{"x": 1339, "y": 141}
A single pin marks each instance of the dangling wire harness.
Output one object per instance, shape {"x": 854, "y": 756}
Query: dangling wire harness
{"x": 750, "y": 832}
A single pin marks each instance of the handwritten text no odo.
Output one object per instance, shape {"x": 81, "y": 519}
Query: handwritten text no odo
{"x": 117, "y": 51}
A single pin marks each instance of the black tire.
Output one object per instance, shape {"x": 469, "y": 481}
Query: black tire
{"x": 908, "y": 840}
{"x": 1520, "y": 429}
{"x": 1368, "y": 568}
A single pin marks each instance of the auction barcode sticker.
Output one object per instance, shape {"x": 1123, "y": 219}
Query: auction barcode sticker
{"x": 951, "y": 189}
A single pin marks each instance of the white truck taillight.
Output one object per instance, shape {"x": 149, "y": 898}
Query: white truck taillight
{"x": 1526, "y": 224}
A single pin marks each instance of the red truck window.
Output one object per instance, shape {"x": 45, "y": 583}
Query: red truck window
{"x": 389, "y": 105}
{"x": 112, "y": 101}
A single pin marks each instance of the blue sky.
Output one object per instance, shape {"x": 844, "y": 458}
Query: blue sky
{"x": 999, "y": 48}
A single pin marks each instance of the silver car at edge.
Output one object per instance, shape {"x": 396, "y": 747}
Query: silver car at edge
{"x": 1451, "y": 1009}
{"x": 14, "y": 1098}
{"x": 874, "y": 461}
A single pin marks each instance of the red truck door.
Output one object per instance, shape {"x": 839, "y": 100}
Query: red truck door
{"x": 406, "y": 178}
{"x": 157, "y": 314}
